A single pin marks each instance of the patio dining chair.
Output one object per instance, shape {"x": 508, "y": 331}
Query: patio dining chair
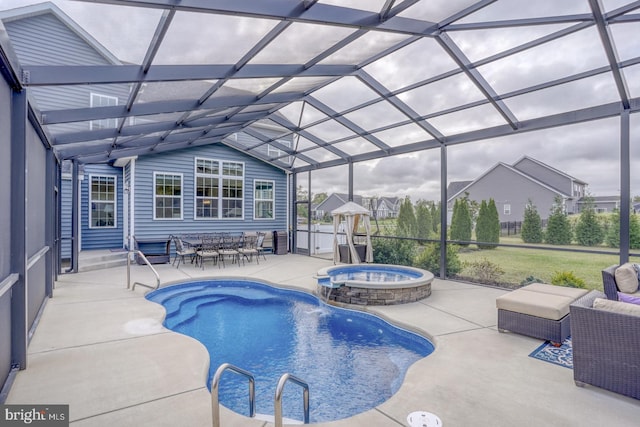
{"x": 209, "y": 249}
{"x": 182, "y": 249}
{"x": 249, "y": 247}
{"x": 229, "y": 249}
{"x": 259, "y": 242}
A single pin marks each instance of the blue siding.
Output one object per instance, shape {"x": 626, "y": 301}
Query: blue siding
{"x": 100, "y": 238}
{"x": 183, "y": 162}
{"x": 65, "y": 216}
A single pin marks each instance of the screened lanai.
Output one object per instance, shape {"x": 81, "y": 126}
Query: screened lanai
{"x": 338, "y": 84}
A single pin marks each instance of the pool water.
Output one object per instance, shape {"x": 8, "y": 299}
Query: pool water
{"x": 372, "y": 274}
{"x": 351, "y": 360}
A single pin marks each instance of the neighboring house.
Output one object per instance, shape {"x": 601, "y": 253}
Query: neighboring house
{"x": 196, "y": 190}
{"x": 387, "y": 207}
{"x": 379, "y": 207}
{"x": 334, "y": 201}
{"x": 602, "y": 204}
{"x": 512, "y": 186}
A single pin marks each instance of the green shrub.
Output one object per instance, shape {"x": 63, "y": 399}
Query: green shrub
{"x": 558, "y": 226}
{"x": 429, "y": 259}
{"x": 532, "y": 225}
{"x": 588, "y": 229}
{"x": 487, "y": 225}
{"x": 531, "y": 279}
{"x": 461, "y": 221}
{"x": 484, "y": 271}
{"x": 567, "y": 278}
{"x": 393, "y": 251}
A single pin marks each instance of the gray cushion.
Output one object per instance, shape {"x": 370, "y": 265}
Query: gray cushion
{"x": 627, "y": 278}
{"x": 616, "y": 307}
{"x": 564, "y": 291}
{"x": 539, "y": 304}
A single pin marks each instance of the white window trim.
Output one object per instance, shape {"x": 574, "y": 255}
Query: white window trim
{"x": 507, "y": 209}
{"x": 272, "y": 200}
{"x": 220, "y": 177}
{"x": 153, "y": 205}
{"x": 115, "y": 201}
{"x": 91, "y": 95}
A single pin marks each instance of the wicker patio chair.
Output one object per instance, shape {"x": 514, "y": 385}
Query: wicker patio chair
{"x": 606, "y": 347}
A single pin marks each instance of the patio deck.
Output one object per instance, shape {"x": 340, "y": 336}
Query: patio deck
{"x": 102, "y": 349}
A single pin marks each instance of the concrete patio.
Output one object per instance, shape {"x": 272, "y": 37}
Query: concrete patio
{"x": 102, "y": 349}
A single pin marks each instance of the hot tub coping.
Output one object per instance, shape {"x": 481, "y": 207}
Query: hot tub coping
{"x": 426, "y": 277}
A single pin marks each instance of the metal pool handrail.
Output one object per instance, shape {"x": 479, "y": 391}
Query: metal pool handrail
{"x": 278, "y": 398}
{"x": 215, "y": 383}
{"x": 146, "y": 261}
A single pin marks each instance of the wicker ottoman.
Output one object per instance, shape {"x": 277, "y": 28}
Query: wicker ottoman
{"x": 538, "y": 310}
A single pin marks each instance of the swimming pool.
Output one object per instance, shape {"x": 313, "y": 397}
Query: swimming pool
{"x": 352, "y": 361}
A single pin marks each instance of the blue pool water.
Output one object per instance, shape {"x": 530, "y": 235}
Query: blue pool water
{"x": 367, "y": 273}
{"x": 351, "y": 360}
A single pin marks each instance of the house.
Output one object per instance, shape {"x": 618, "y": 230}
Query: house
{"x": 379, "y": 207}
{"x": 205, "y": 188}
{"x": 512, "y": 186}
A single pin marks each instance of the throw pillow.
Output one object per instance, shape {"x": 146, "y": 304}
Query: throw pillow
{"x": 628, "y": 298}
{"x": 616, "y": 307}
{"x": 627, "y": 278}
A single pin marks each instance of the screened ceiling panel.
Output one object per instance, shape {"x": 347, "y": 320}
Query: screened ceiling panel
{"x": 316, "y": 84}
{"x": 299, "y": 43}
{"x": 471, "y": 119}
{"x": 442, "y": 95}
{"x": 571, "y": 96}
{"x": 401, "y": 135}
{"x": 414, "y": 63}
{"x": 185, "y": 42}
{"x": 575, "y": 53}
{"x": 356, "y": 146}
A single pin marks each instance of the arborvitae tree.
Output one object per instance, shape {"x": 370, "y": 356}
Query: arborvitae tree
{"x": 488, "y": 225}
{"x": 406, "y": 219}
{"x": 532, "y": 224}
{"x": 461, "y": 221}
{"x": 612, "y": 239}
{"x": 588, "y": 229}
{"x": 634, "y": 232}
{"x": 558, "y": 226}
{"x": 423, "y": 220}
{"x": 435, "y": 217}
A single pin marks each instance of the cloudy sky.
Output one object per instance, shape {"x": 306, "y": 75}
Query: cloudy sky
{"x": 589, "y": 151}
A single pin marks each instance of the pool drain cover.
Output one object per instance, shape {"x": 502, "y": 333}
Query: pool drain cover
{"x": 423, "y": 419}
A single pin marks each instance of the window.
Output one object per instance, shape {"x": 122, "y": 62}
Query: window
{"x": 278, "y": 154}
{"x": 167, "y": 195}
{"x": 102, "y": 199}
{"x": 98, "y": 100}
{"x": 263, "y": 199}
{"x": 507, "y": 209}
{"x": 219, "y": 189}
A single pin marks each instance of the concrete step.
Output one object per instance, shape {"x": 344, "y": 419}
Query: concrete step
{"x": 102, "y": 260}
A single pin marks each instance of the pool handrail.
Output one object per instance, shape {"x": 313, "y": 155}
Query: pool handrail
{"x": 146, "y": 261}
{"x": 278, "y": 398}
{"x": 215, "y": 384}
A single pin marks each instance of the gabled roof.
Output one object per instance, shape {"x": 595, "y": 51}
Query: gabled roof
{"x": 546, "y": 166}
{"x": 511, "y": 169}
{"x": 44, "y": 8}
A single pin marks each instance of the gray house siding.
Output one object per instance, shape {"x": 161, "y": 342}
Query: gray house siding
{"x": 183, "y": 162}
{"x": 554, "y": 179}
{"x": 514, "y": 190}
{"x": 100, "y": 238}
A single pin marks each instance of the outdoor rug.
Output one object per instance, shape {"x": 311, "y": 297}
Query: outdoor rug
{"x": 562, "y": 355}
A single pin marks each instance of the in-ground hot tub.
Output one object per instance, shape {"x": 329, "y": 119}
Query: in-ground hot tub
{"x": 373, "y": 284}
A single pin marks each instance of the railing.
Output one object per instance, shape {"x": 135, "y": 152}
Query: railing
{"x": 278, "y": 398}
{"x": 215, "y": 383}
{"x": 146, "y": 261}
